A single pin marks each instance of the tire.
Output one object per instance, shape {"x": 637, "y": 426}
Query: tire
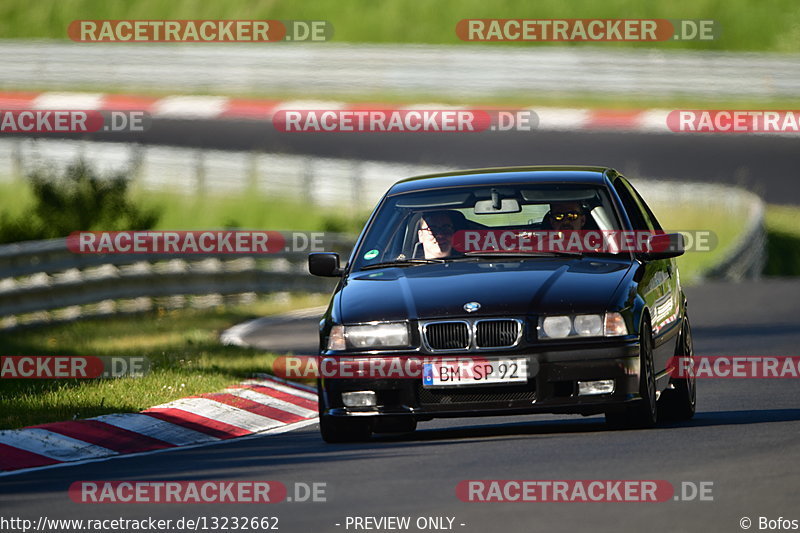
{"x": 680, "y": 401}
{"x": 642, "y": 413}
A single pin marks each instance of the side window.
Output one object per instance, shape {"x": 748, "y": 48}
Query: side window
{"x": 648, "y": 214}
{"x": 631, "y": 206}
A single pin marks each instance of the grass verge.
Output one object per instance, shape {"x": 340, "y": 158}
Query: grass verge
{"x": 182, "y": 346}
{"x": 247, "y": 210}
{"x": 189, "y": 212}
{"x": 770, "y": 25}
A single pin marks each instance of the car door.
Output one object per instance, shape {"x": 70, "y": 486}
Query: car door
{"x": 658, "y": 286}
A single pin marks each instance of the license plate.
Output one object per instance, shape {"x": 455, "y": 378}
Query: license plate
{"x": 454, "y": 373}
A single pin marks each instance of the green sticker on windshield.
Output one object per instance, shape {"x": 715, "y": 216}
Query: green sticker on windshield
{"x": 372, "y": 254}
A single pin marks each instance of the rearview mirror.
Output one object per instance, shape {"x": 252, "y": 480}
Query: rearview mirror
{"x": 505, "y": 205}
{"x": 324, "y": 264}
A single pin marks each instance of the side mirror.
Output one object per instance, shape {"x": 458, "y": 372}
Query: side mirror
{"x": 324, "y": 264}
{"x": 664, "y": 246}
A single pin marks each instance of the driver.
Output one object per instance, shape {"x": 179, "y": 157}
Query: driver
{"x": 566, "y": 216}
{"x": 436, "y": 234}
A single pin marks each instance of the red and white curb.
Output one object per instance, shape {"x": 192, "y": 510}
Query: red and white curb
{"x": 259, "y": 406}
{"x": 222, "y": 107}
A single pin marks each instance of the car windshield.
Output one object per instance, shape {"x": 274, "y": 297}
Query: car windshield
{"x": 471, "y": 223}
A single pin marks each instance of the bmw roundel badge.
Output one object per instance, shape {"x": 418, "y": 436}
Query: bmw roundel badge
{"x": 471, "y": 307}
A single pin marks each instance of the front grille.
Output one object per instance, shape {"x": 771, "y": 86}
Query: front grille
{"x": 496, "y": 333}
{"x": 490, "y": 394}
{"x": 447, "y": 335}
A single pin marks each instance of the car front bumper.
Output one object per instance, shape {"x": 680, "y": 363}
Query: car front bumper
{"x": 552, "y": 387}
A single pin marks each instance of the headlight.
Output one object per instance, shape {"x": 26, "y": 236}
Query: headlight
{"x": 381, "y": 335}
{"x": 560, "y": 327}
{"x": 588, "y": 325}
{"x": 556, "y": 327}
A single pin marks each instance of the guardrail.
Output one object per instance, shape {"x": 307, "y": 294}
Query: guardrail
{"x": 336, "y": 69}
{"x": 42, "y": 281}
{"x": 746, "y": 257}
{"x": 323, "y": 181}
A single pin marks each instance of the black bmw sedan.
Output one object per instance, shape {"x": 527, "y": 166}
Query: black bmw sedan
{"x": 501, "y": 292}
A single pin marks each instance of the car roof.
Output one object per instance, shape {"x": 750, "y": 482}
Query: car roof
{"x": 505, "y": 176}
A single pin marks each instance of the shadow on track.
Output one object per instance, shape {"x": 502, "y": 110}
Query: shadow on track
{"x": 589, "y": 425}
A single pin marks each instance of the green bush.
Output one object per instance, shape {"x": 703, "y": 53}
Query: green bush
{"x": 783, "y": 240}
{"x": 783, "y": 254}
{"x": 78, "y": 200}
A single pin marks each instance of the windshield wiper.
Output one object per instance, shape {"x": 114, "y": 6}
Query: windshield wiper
{"x": 402, "y": 263}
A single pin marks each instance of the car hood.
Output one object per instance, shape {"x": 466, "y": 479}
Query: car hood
{"x": 502, "y": 288}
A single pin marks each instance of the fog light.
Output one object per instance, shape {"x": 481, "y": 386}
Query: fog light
{"x": 586, "y": 388}
{"x": 362, "y": 398}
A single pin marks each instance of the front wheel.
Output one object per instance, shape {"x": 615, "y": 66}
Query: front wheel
{"x": 680, "y": 400}
{"x": 642, "y": 413}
